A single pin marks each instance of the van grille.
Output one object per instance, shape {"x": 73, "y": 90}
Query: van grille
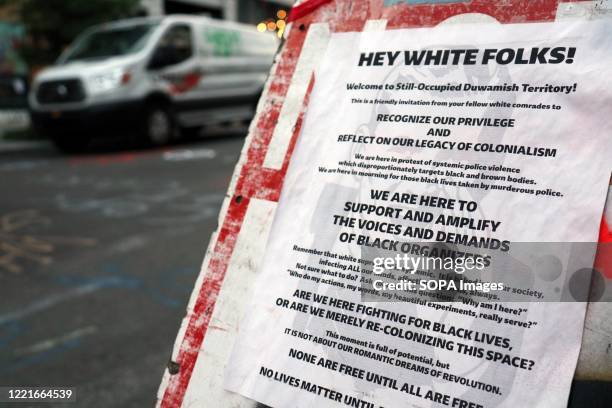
{"x": 61, "y": 91}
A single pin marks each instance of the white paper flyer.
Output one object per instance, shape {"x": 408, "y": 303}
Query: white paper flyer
{"x": 490, "y": 139}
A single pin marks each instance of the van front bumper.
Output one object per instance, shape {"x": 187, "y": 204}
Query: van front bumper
{"x": 98, "y": 119}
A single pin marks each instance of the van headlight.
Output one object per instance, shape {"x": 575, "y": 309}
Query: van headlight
{"x": 108, "y": 81}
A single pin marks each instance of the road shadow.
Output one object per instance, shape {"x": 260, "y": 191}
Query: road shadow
{"x": 122, "y": 142}
{"x": 40, "y": 149}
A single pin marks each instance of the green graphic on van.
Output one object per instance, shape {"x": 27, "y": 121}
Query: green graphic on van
{"x": 225, "y": 43}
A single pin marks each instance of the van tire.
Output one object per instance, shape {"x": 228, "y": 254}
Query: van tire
{"x": 157, "y": 124}
{"x": 70, "y": 143}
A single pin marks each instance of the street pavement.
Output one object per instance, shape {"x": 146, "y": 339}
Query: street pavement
{"x": 98, "y": 256}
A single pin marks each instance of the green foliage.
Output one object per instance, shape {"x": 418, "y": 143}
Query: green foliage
{"x": 52, "y": 24}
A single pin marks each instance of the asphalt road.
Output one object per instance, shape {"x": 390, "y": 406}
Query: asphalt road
{"x": 98, "y": 256}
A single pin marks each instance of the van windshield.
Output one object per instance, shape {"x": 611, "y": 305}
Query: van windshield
{"x": 109, "y": 42}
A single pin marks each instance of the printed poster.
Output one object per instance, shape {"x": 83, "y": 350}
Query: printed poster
{"x": 433, "y": 242}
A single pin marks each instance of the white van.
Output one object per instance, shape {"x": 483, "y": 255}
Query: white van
{"x": 157, "y": 75}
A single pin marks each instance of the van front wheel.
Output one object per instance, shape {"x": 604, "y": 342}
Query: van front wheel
{"x": 157, "y": 125}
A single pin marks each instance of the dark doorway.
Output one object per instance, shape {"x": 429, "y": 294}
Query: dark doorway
{"x": 180, "y": 7}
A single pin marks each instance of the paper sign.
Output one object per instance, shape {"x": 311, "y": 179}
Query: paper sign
{"x": 490, "y": 140}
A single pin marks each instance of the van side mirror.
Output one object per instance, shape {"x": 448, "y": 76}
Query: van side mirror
{"x": 162, "y": 57}
{"x": 173, "y": 48}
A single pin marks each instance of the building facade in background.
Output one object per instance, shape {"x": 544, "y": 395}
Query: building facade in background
{"x": 244, "y": 11}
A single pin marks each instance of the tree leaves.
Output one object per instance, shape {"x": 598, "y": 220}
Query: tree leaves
{"x": 51, "y": 25}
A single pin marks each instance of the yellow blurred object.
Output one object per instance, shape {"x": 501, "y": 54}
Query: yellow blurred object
{"x": 281, "y": 14}
{"x": 280, "y": 24}
{"x": 261, "y": 27}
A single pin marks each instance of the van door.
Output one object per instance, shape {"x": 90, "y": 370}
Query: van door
{"x": 173, "y": 62}
{"x": 231, "y": 79}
